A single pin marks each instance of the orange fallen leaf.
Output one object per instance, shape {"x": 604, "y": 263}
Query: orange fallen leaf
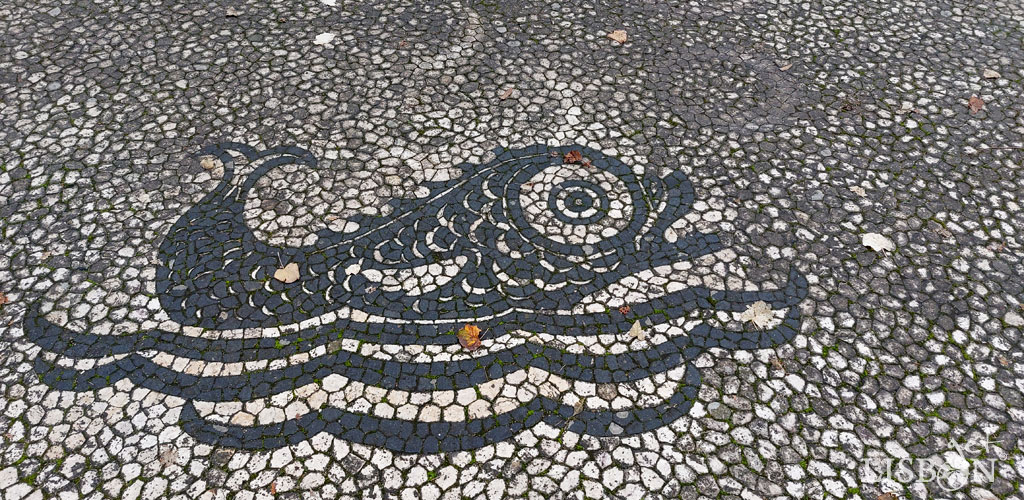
{"x": 618, "y": 36}
{"x": 624, "y": 309}
{"x": 975, "y": 104}
{"x": 573, "y": 156}
{"x": 273, "y": 487}
{"x": 469, "y": 337}
{"x": 3, "y": 299}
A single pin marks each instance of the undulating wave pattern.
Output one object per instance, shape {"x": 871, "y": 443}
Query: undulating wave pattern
{"x": 362, "y": 344}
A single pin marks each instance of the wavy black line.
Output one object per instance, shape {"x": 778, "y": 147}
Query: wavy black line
{"x": 405, "y": 436}
{"x": 79, "y": 345}
{"x": 409, "y": 376}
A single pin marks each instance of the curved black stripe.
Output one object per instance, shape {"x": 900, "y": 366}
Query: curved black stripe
{"x": 405, "y": 436}
{"x": 71, "y": 344}
{"x": 409, "y": 376}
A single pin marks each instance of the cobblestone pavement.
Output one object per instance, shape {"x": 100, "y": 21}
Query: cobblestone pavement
{"x": 750, "y": 250}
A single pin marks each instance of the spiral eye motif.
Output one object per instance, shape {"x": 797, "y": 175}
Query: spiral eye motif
{"x": 577, "y": 209}
{"x": 574, "y": 205}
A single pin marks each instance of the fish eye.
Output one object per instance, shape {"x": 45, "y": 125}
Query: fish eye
{"x": 576, "y": 204}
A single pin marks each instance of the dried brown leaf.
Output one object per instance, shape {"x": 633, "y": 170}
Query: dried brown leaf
{"x": 975, "y": 104}
{"x": 759, "y": 313}
{"x": 945, "y": 233}
{"x": 636, "y": 331}
{"x": 288, "y": 273}
{"x": 786, "y": 67}
{"x": 878, "y": 242}
{"x": 324, "y": 39}
{"x": 4, "y": 299}
{"x": 469, "y": 337}
{"x": 208, "y": 162}
{"x": 618, "y": 36}
{"x": 507, "y": 93}
{"x": 168, "y": 457}
{"x": 888, "y": 496}
{"x": 573, "y": 156}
